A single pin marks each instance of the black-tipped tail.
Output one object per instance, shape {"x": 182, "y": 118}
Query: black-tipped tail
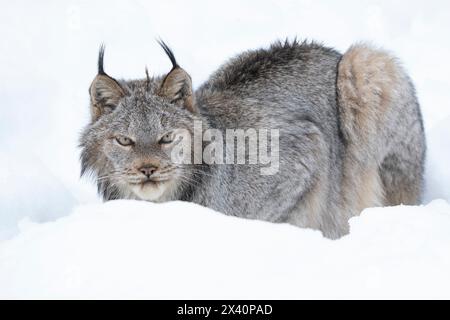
{"x": 101, "y": 55}
{"x": 169, "y": 53}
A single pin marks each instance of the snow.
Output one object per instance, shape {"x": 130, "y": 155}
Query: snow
{"x": 58, "y": 241}
{"x": 182, "y": 251}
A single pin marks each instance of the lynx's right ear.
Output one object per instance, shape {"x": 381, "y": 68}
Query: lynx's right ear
{"x": 177, "y": 85}
{"x": 105, "y": 91}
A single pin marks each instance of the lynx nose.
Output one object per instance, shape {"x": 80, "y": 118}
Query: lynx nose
{"x": 148, "y": 171}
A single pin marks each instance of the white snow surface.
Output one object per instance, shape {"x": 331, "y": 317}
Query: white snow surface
{"x": 183, "y": 251}
{"x": 58, "y": 241}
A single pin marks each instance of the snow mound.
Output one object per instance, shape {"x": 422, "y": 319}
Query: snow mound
{"x": 129, "y": 249}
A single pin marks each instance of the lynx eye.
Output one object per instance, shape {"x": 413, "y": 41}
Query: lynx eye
{"x": 166, "y": 139}
{"x": 124, "y": 141}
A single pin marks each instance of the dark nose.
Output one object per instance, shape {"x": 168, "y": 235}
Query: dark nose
{"x": 148, "y": 171}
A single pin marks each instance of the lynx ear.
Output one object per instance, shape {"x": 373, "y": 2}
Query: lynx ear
{"x": 177, "y": 85}
{"x": 105, "y": 91}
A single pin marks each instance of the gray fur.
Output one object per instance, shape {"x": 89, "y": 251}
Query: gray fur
{"x": 329, "y": 171}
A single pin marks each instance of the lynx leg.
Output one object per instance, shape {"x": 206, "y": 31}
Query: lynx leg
{"x": 382, "y": 127}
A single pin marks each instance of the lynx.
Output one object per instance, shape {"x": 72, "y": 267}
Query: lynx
{"x": 351, "y": 135}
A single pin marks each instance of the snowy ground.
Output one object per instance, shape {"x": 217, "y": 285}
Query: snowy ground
{"x": 141, "y": 250}
{"x": 77, "y": 247}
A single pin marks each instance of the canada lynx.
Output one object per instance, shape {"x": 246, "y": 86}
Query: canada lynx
{"x": 350, "y": 135}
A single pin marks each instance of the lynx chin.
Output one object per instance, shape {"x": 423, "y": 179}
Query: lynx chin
{"x": 343, "y": 132}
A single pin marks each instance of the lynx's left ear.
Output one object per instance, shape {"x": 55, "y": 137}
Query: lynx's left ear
{"x": 177, "y": 85}
{"x": 105, "y": 91}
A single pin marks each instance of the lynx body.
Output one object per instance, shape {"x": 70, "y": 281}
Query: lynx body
{"x": 350, "y": 135}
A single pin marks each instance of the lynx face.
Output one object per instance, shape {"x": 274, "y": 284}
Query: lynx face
{"x": 134, "y": 129}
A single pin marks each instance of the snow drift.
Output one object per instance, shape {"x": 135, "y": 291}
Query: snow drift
{"x": 128, "y": 249}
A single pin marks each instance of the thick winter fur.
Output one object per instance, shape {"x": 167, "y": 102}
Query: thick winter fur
{"x": 382, "y": 127}
{"x": 351, "y": 135}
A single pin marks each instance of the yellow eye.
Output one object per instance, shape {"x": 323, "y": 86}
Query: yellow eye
{"x": 166, "y": 139}
{"x": 124, "y": 141}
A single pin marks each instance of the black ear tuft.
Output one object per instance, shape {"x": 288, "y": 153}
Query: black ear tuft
{"x": 101, "y": 55}
{"x": 169, "y": 53}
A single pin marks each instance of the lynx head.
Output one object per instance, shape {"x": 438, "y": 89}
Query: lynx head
{"x": 135, "y": 125}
